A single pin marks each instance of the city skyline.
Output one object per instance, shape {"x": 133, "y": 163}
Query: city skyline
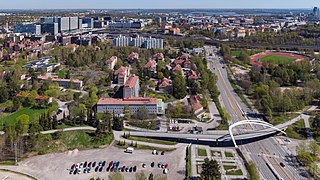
{"x": 164, "y": 4}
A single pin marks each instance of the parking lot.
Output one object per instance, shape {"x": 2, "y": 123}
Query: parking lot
{"x": 56, "y": 165}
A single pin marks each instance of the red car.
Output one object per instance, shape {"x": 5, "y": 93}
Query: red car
{"x": 123, "y": 168}
{"x": 111, "y": 164}
{"x": 73, "y": 166}
{"x": 166, "y": 166}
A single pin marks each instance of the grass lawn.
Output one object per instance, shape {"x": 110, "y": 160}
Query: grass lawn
{"x": 62, "y": 141}
{"x": 235, "y": 53}
{"x": 228, "y": 154}
{"x": 237, "y": 172}
{"x": 277, "y": 59}
{"x": 32, "y": 113}
{"x": 140, "y": 147}
{"x": 282, "y": 118}
{"x": 297, "y": 130}
{"x": 202, "y": 152}
{"x": 144, "y": 124}
{"x": 157, "y": 141}
{"x": 189, "y": 164}
{"x": 227, "y": 167}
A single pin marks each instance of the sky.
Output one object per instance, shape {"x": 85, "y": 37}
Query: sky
{"x": 154, "y": 4}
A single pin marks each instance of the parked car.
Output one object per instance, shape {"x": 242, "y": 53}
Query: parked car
{"x": 93, "y": 164}
{"x": 123, "y": 168}
{"x": 130, "y": 170}
{"x": 89, "y": 164}
{"x": 96, "y": 169}
{"x": 108, "y": 169}
{"x": 111, "y": 163}
{"x": 165, "y": 171}
{"x": 152, "y": 164}
{"x": 134, "y": 168}
{"x": 73, "y": 166}
{"x": 281, "y": 164}
{"x": 85, "y": 164}
{"x": 127, "y": 169}
{"x": 144, "y": 165}
{"x": 103, "y": 163}
{"x": 162, "y": 153}
{"x": 166, "y": 166}
{"x": 100, "y": 163}
{"x": 100, "y": 169}
{"x": 159, "y": 165}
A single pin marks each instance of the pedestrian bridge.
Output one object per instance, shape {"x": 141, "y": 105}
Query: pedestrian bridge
{"x": 229, "y": 139}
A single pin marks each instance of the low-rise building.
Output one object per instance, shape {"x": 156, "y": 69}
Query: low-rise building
{"x": 151, "y": 66}
{"x": 66, "y": 83}
{"x": 42, "y": 64}
{"x": 164, "y": 85}
{"x": 117, "y": 106}
{"x": 131, "y": 88}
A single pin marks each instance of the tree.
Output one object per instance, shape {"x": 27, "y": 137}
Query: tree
{"x": 142, "y": 113}
{"x": 115, "y": 176}
{"x": 244, "y": 57}
{"x": 252, "y": 170}
{"x": 210, "y": 170}
{"x": 141, "y": 176}
{"x": 117, "y": 123}
{"x": 22, "y": 124}
{"x": 150, "y": 176}
{"x": 314, "y": 148}
{"x": 179, "y": 86}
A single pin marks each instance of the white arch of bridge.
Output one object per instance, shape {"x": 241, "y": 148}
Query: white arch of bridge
{"x": 256, "y": 122}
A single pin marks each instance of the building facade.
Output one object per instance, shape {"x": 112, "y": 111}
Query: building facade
{"x": 30, "y": 28}
{"x": 118, "y": 106}
{"x": 131, "y": 88}
{"x": 149, "y": 43}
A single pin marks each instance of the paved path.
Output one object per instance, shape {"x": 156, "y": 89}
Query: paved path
{"x": 69, "y": 129}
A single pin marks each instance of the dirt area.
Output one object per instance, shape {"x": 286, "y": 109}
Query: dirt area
{"x": 51, "y": 166}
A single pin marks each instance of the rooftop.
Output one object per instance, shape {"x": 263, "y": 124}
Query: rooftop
{"x": 126, "y": 101}
{"x": 131, "y": 82}
{"x": 59, "y": 79}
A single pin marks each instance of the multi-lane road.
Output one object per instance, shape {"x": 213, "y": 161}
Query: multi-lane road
{"x": 266, "y": 154}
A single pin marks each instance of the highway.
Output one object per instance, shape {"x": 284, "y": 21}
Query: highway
{"x": 256, "y": 151}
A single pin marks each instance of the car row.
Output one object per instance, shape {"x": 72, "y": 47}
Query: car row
{"x": 160, "y": 165}
{"x": 113, "y": 166}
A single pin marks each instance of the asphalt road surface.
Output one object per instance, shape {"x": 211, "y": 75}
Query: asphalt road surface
{"x": 257, "y": 150}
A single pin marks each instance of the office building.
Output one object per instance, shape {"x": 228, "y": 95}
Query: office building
{"x": 87, "y": 22}
{"x": 30, "y": 28}
{"x": 73, "y": 23}
{"x": 131, "y": 88}
{"x": 158, "y": 20}
{"x": 42, "y": 64}
{"x": 51, "y": 28}
{"x": 316, "y": 12}
{"x": 98, "y": 24}
{"x": 117, "y": 106}
{"x": 122, "y": 74}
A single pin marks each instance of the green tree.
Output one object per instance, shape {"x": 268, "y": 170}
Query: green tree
{"x": 179, "y": 86}
{"x": 244, "y": 57}
{"x": 141, "y": 176}
{"x": 150, "y": 176}
{"x": 252, "y": 170}
{"x": 314, "y": 148}
{"x": 210, "y": 170}
{"x": 115, "y": 176}
{"x": 22, "y": 124}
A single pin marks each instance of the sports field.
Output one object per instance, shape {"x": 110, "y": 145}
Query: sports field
{"x": 275, "y": 59}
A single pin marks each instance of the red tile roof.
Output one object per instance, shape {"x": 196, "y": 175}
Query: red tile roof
{"x": 151, "y": 64}
{"x": 127, "y": 101}
{"x": 131, "y": 82}
{"x": 195, "y": 102}
{"x": 121, "y": 70}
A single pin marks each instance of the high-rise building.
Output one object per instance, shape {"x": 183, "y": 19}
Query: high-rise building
{"x": 316, "y": 12}
{"x": 87, "y": 22}
{"x": 73, "y": 23}
{"x": 63, "y": 24}
{"x": 31, "y": 28}
{"x": 51, "y": 28}
{"x": 149, "y": 43}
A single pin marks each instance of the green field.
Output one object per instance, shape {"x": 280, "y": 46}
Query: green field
{"x": 297, "y": 130}
{"x": 32, "y": 113}
{"x": 62, "y": 141}
{"x": 202, "y": 152}
{"x": 277, "y": 59}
